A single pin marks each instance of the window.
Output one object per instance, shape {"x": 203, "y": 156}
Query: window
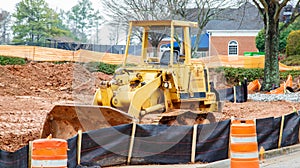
{"x": 233, "y": 48}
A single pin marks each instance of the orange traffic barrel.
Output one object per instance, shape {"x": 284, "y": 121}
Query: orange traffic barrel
{"x": 289, "y": 81}
{"x": 254, "y": 86}
{"x": 243, "y": 144}
{"x": 48, "y": 153}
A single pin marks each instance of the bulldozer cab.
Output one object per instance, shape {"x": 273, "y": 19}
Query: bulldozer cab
{"x": 164, "y": 42}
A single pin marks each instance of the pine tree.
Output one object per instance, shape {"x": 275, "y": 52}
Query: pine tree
{"x": 35, "y": 22}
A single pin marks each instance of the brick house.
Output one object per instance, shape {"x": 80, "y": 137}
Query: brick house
{"x": 232, "y": 42}
{"x": 234, "y": 31}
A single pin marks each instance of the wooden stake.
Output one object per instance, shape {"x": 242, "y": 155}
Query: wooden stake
{"x": 29, "y": 154}
{"x": 229, "y": 142}
{"x": 281, "y": 131}
{"x": 261, "y": 153}
{"x": 131, "y": 142}
{"x": 234, "y": 94}
{"x": 194, "y": 143}
{"x": 79, "y": 142}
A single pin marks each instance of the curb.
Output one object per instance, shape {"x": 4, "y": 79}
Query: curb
{"x": 266, "y": 155}
{"x": 282, "y": 151}
{"x": 222, "y": 163}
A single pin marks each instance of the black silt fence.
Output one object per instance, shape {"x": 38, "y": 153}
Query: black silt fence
{"x": 72, "y": 151}
{"x": 238, "y": 94}
{"x": 15, "y": 159}
{"x": 156, "y": 144}
{"x": 268, "y": 131}
{"x": 212, "y": 144}
{"x": 290, "y": 133}
{"x": 108, "y": 146}
{"x": 161, "y": 144}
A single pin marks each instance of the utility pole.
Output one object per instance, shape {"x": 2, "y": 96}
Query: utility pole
{"x": 97, "y": 35}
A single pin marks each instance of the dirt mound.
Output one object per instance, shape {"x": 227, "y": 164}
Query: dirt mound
{"x": 254, "y": 110}
{"x": 28, "y": 92}
{"x": 45, "y": 79}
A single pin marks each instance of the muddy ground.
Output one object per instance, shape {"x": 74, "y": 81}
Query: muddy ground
{"x": 28, "y": 92}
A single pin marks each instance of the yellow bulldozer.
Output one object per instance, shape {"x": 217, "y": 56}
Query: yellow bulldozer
{"x": 163, "y": 88}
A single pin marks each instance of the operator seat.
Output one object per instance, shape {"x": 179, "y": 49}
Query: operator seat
{"x": 165, "y": 58}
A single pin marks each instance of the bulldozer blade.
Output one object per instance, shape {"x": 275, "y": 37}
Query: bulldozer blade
{"x": 64, "y": 121}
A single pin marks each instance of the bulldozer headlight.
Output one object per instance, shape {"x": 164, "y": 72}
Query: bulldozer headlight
{"x": 166, "y": 85}
{"x": 115, "y": 101}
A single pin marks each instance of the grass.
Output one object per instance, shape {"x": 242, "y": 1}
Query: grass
{"x": 101, "y": 67}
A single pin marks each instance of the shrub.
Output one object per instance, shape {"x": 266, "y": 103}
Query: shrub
{"x": 107, "y": 68}
{"x": 293, "y": 43}
{"x": 100, "y": 67}
{"x": 284, "y": 75}
{"x": 11, "y": 61}
{"x": 260, "y": 38}
{"x": 293, "y": 60}
{"x": 236, "y": 75}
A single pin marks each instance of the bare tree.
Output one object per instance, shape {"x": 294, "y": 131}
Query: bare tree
{"x": 207, "y": 10}
{"x": 200, "y": 10}
{"x": 270, "y": 11}
{"x": 4, "y": 24}
{"x": 178, "y": 8}
{"x": 122, "y": 11}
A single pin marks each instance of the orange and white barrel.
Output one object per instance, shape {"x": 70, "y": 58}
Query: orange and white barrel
{"x": 49, "y": 153}
{"x": 243, "y": 144}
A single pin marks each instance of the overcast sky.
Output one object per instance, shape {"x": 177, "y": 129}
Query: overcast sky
{"x": 9, "y": 5}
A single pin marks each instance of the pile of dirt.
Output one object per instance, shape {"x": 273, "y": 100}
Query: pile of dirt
{"x": 254, "y": 109}
{"x": 28, "y": 92}
{"x": 45, "y": 79}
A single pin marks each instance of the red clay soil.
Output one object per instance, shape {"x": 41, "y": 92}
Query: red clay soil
{"x": 28, "y": 92}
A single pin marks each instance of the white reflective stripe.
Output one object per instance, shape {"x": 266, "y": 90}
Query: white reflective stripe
{"x": 244, "y": 155}
{"x": 243, "y": 139}
{"x": 49, "y": 163}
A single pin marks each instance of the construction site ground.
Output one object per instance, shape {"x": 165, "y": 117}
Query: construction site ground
{"x": 28, "y": 92}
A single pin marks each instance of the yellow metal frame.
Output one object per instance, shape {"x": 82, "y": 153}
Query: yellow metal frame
{"x": 180, "y": 23}
{"x": 152, "y": 23}
{"x": 127, "y": 43}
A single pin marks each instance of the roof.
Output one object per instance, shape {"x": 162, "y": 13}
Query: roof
{"x": 145, "y": 23}
{"x": 203, "y": 42}
{"x": 62, "y": 39}
{"x": 246, "y": 17}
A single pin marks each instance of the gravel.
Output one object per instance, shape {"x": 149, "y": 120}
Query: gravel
{"x": 291, "y": 97}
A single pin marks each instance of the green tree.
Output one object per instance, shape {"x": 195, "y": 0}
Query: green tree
{"x": 260, "y": 38}
{"x": 270, "y": 11}
{"x": 62, "y": 26}
{"x": 35, "y": 22}
{"x": 293, "y": 43}
{"x": 82, "y": 18}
